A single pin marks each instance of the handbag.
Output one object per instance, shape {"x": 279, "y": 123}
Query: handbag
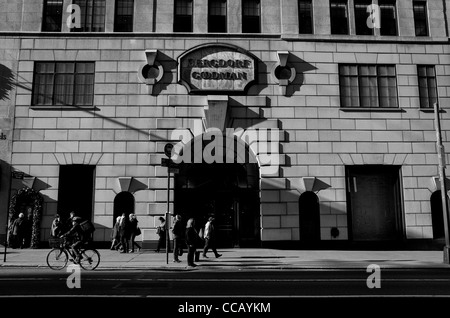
{"x": 138, "y": 231}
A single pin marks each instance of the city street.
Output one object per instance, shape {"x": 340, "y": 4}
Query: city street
{"x": 209, "y": 283}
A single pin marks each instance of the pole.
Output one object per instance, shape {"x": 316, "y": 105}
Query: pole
{"x": 7, "y": 214}
{"x": 441, "y": 157}
{"x": 167, "y": 216}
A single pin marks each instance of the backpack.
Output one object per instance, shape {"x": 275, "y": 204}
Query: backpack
{"x": 87, "y": 227}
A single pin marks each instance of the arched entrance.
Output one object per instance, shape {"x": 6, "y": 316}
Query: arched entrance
{"x": 436, "y": 215}
{"x": 123, "y": 203}
{"x": 229, "y": 191}
{"x": 30, "y": 203}
{"x": 309, "y": 216}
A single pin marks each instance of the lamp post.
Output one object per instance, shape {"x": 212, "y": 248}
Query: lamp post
{"x": 441, "y": 157}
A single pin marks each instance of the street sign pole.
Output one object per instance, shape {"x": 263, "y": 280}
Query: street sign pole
{"x": 441, "y": 157}
{"x": 168, "y": 152}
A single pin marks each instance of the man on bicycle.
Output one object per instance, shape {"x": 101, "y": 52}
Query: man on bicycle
{"x": 76, "y": 237}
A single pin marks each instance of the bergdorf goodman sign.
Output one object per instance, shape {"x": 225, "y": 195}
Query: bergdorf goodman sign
{"x": 218, "y": 68}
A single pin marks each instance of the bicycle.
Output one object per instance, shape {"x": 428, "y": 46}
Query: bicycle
{"x": 58, "y": 256}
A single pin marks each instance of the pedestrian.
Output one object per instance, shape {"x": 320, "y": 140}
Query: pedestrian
{"x": 19, "y": 229}
{"x": 68, "y": 222}
{"x": 210, "y": 238}
{"x": 161, "y": 231}
{"x": 57, "y": 226}
{"x": 178, "y": 233}
{"x": 192, "y": 240}
{"x": 134, "y": 231}
{"x": 124, "y": 230}
{"x": 115, "y": 234}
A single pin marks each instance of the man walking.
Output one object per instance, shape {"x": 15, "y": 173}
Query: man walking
{"x": 177, "y": 232}
{"x": 210, "y": 238}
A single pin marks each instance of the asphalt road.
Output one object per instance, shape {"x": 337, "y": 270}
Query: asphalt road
{"x": 228, "y": 291}
{"x": 245, "y": 283}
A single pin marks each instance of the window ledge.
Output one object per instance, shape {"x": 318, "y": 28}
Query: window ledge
{"x": 372, "y": 109}
{"x": 431, "y": 110}
{"x": 50, "y": 107}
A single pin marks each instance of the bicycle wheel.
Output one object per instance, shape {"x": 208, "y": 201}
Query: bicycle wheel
{"x": 57, "y": 258}
{"x": 90, "y": 259}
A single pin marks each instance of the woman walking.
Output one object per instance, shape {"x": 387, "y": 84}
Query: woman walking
{"x": 161, "y": 231}
{"x": 115, "y": 234}
{"x": 134, "y": 228}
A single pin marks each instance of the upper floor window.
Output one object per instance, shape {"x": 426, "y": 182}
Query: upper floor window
{"x": 339, "y": 16}
{"x": 251, "y": 16}
{"x": 388, "y": 17}
{"x": 63, "y": 84}
{"x": 52, "y": 15}
{"x": 92, "y": 15}
{"x": 183, "y": 16}
{"x": 305, "y": 20}
{"x": 420, "y": 18}
{"x": 123, "y": 20}
{"x": 427, "y": 85}
{"x": 368, "y": 85}
{"x": 217, "y": 16}
{"x": 361, "y": 16}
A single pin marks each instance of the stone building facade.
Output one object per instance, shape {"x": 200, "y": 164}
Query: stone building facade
{"x": 87, "y": 115}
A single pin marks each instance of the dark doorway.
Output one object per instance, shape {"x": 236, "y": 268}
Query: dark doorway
{"x": 309, "y": 215}
{"x": 374, "y": 203}
{"x": 123, "y": 203}
{"x": 437, "y": 216}
{"x": 229, "y": 191}
{"x": 76, "y": 190}
{"x": 223, "y": 191}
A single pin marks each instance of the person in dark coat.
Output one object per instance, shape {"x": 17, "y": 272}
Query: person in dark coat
{"x": 134, "y": 232}
{"x": 192, "y": 240}
{"x": 68, "y": 222}
{"x": 161, "y": 231}
{"x": 124, "y": 230}
{"x": 178, "y": 234}
{"x": 115, "y": 235}
{"x": 19, "y": 229}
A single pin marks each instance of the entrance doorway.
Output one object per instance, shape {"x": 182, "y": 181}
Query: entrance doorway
{"x": 76, "y": 190}
{"x": 227, "y": 191}
{"x": 309, "y": 211}
{"x": 123, "y": 203}
{"x": 374, "y": 203}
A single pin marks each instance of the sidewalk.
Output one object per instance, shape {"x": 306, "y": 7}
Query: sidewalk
{"x": 245, "y": 259}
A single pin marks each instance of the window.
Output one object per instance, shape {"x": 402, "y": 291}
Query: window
{"x": 123, "y": 21}
{"x": 251, "y": 16}
{"x": 368, "y": 85}
{"x": 361, "y": 16}
{"x": 183, "y": 16}
{"x": 420, "y": 18}
{"x": 388, "y": 17}
{"x": 92, "y": 15}
{"x": 427, "y": 85}
{"x": 52, "y": 15}
{"x": 63, "y": 84}
{"x": 339, "y": 16}
{"x": 305, "y": 17}
{"x": 217, "y": 16}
